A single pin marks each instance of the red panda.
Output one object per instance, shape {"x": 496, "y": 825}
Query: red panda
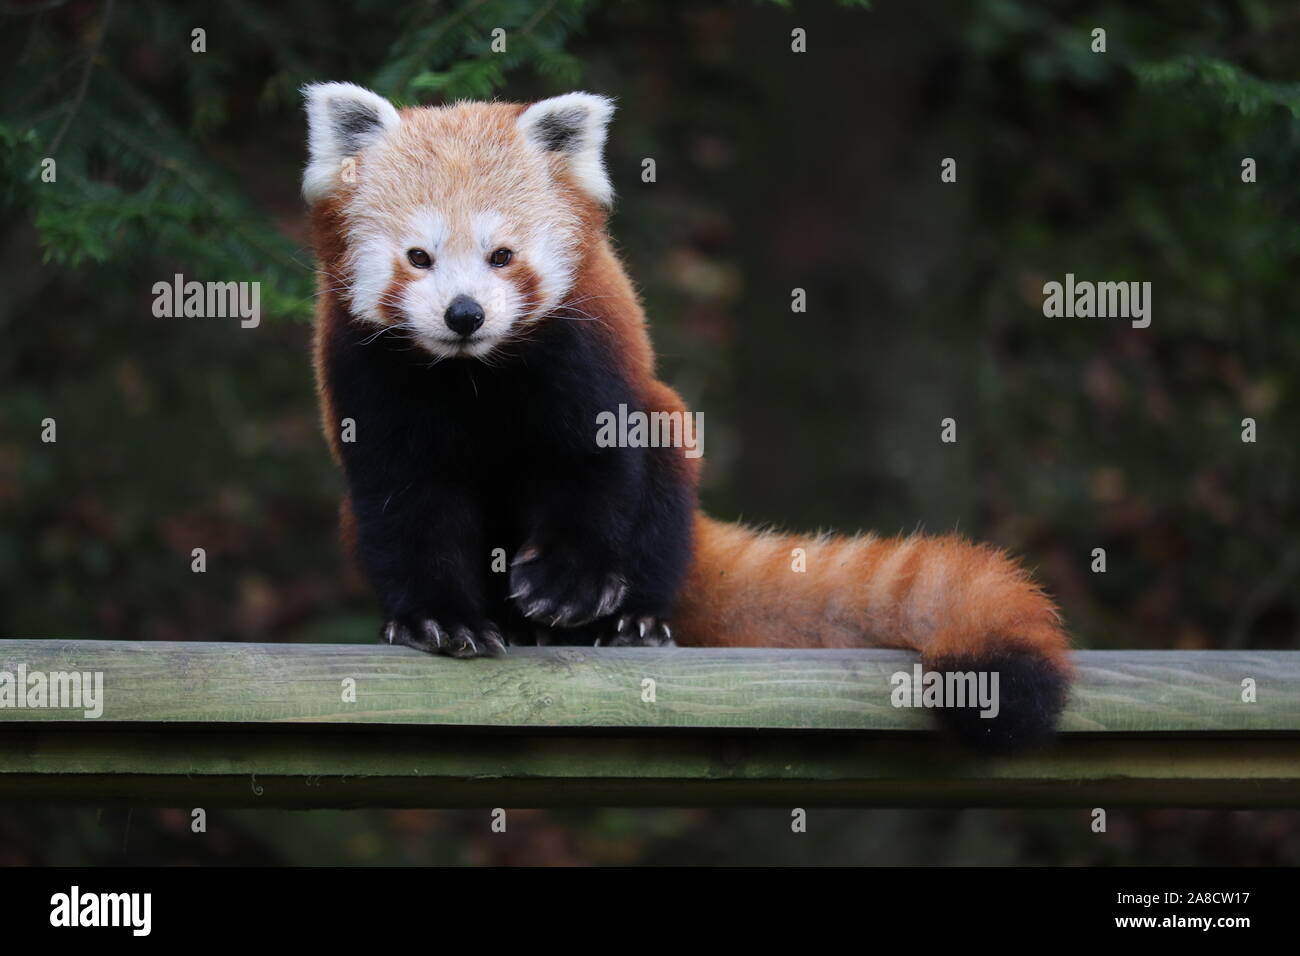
{"x": 473, "y": 322}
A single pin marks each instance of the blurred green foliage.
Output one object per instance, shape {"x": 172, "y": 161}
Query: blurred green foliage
{"x": 135, "y": 145}
{"x": 776, "y": 170}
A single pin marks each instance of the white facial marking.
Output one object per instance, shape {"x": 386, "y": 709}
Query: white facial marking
{"x": 460, "y": 271}
{"x": 429, "y": 230}
{"x": 459, "y": 183}
{"x": 487, "y": 229}
{"x": 342, "y": 120}
{"x": 460, "y": 248}
{"x": 370, "y": 261}
{"x": 574, "y": 125}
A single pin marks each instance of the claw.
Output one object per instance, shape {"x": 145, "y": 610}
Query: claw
{"x": 432, "y": 632}
{"x": 612, "y": 596}
{"x": 629, "y": 631}
{"x": 537, "y": 608}
{"x": 560, "y": 590}
{"x": 495, "y": 645}
{"x": 426, "y": 634}
{"x": 462, "y": 643}
{"x": 396, "y": 632}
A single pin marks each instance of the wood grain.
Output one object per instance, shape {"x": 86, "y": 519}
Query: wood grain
{"x": 266, "y": 725}
{"x": 177, "y": 682}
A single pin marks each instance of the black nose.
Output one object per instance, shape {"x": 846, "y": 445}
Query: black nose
{"x": 464, "y": 315}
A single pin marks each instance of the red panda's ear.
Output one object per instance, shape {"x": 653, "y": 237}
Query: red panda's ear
{"x": 574, "y": 126}
{"x": 342, "y": 120}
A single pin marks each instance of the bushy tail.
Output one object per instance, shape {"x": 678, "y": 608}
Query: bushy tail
{"x": 964, "y": 607}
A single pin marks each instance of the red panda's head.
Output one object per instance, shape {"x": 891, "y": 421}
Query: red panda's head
{"x": 460, "y": 224}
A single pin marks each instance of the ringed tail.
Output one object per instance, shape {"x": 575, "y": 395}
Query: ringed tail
{"x": 962, "y": 606}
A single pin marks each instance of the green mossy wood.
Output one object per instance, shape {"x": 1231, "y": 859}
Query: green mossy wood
{"x": 196, "y": 724}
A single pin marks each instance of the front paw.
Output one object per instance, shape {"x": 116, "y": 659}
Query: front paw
{"x": 561, "y": 589}
{"x": 453, "y": 640}
{"x": 632, "y": 630}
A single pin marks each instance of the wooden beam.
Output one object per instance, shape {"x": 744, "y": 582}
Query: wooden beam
{"x": 194, "y": 724}
{"x": 178, "y": 682}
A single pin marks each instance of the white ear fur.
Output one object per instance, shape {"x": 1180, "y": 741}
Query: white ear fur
{"x": 574, "y": 125}
{"x": 342, "y": 120}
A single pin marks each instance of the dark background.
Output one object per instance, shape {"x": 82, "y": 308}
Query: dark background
{"x": 775, "y": 170}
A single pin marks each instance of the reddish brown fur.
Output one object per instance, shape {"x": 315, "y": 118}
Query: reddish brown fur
{"x": 327, "y": 232}
{"x": 940, "y": 596}
{"x": 529, "y": 286}
{"x": 392, "y": 295}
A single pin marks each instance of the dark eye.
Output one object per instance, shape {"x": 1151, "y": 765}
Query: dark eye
{"x": 501, "y": 258}
{"x": 419, "y": 258}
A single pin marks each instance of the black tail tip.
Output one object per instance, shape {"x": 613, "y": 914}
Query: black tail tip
{"x": 1031, "y": 693}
